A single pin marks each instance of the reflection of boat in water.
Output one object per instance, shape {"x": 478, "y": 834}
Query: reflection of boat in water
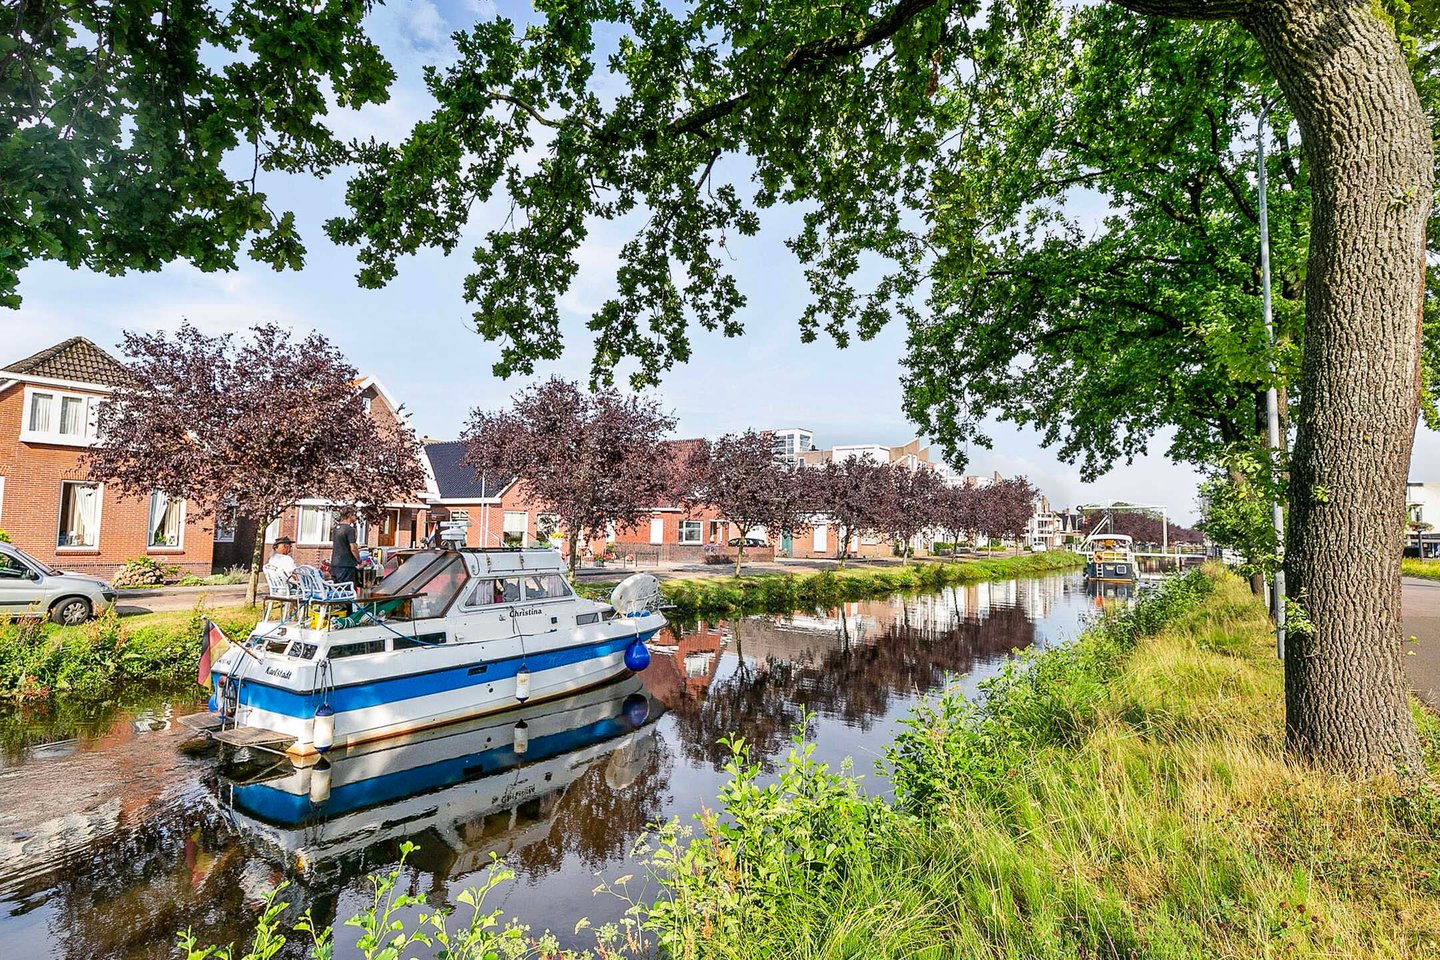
{"x": 1110, "y": 591}
{"x": 452, "y": 780}
{"x": 448, "y": 636}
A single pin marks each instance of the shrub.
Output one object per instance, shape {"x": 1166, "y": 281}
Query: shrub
{"x": 4, "y": 537}
{"x": 140, "y": 572}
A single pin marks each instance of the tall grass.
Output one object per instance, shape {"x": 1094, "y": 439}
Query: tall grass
{"x": 95, "y": 660}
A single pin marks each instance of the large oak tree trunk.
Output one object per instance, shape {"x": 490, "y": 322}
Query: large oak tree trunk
{"x": 1371, "y": 163}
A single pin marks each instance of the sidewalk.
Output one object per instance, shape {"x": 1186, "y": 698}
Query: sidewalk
{"x": 1420, "y": 612}
{"x": 157, "y": 599}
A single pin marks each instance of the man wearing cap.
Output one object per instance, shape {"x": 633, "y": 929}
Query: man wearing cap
{"x": 281, "y": 560}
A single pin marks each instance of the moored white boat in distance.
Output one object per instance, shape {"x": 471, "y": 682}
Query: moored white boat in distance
{"x": 448, "y": 636}
{"x": 1109, "y": 557}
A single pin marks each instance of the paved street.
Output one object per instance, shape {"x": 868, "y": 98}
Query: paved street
{"x": 1422, "y": 620}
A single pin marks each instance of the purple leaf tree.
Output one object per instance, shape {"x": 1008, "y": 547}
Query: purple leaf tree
{"x": 1004, "y": 508}
{"x": 911, "y": 505}
{"x": 591, "y": 459}
{"x": 249, "y": 425}
{"x": 740, "y": 479}
{"x": 851, "y": 494}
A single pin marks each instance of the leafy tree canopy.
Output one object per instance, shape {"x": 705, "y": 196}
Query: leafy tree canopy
{"x": 133, "y": 132}
{"x": 953, "y": 142}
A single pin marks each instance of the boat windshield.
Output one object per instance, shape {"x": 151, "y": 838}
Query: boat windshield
{"x": 413, "y": 571}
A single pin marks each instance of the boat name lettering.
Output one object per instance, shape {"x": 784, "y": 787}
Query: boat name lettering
{"x": 526, "y": 612}
{"x": 280, "y": 672}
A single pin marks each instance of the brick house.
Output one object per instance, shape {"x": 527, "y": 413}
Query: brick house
{"x": 309, "y": 521}
{"x": 49, "y": 406}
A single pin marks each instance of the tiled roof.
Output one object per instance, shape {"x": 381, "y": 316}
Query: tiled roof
{"x": 454, "y": 479}
{"x": 76, "y": 359}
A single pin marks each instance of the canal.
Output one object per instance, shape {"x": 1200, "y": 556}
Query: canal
{"x": 114, "y": 833}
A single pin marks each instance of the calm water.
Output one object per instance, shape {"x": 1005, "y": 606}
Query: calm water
{"x": 113, "y": 834}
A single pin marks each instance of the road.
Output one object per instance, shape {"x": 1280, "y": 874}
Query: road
{"x": 1422, "y": 621}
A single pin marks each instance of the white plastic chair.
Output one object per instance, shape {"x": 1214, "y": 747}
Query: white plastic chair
{"x": 315, "y": 587}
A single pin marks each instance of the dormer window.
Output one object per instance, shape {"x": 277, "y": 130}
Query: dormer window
{"x": 60, "y": 417}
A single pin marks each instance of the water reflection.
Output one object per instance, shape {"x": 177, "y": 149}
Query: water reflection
{"x": 113, "y": 842}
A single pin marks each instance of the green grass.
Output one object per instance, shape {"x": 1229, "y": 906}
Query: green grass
{"x": 784, "y": 592}
{"x": 1126, "y": 796}
{"x": 1414, "y": 567}
{"x": 98, "y": 660}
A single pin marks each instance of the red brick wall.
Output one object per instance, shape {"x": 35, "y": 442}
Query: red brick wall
{"x": 30, "y": 510}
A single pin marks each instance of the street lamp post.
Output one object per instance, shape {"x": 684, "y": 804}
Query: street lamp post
{"x": 1272, "y": 400}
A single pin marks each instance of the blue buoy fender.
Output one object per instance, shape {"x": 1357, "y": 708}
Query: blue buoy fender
{"x": 637, "y": 656}
{"x": 636, "y": 709}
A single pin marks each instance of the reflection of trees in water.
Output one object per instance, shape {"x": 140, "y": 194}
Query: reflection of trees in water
{"x": 853, "y": 680}
{"x": 125, "y": 896}
{"x": 599, "y": 817}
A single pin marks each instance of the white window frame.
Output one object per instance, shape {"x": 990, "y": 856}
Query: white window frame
{"x": 699, "y": 532}
{"x": 99, "y": 517}
{"x": 657, "y": 530}
{"x": 821, "y": 540}
{"x": 179, "y": 543}
{"x": 2, "y": 498}
{"x": 272, "y": 530}
{"x": 234, "y": 511}
{"x": 325, "y": 537}
{"x": 89, "y": 428}
{"x": 505, "y": 531}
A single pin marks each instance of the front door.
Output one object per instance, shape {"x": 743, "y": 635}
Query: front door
{"x": 389, "y": 528}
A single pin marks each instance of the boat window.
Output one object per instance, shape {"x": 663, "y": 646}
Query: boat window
{"x": 583, "y": 618}
{"x": 340, "y": 650}
{"x": 416, "y": 570}
{"x": 424, "y": 640}
{"x": 492, "y": 591}
{"x": 542, "y": 586}
{"x": 438, "y": 586}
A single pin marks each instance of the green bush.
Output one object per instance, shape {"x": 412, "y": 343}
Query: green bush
{"x": 40, "y": 660}
{"x": 142, "y": 572}
{"x": 4, "y": 537}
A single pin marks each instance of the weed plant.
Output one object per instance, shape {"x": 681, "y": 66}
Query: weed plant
{"x": 96, "y": 660}
{"x": 1415, "y": 567}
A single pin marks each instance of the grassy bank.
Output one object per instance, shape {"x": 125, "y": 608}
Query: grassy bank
{"x": 1126, "y": 796}
{"x": 95, "y": 660}
{"x": 784, "y": 592}
{"x": 1412, "y": 567}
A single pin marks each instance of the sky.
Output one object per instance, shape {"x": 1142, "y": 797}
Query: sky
{"x": 416, "y": 335}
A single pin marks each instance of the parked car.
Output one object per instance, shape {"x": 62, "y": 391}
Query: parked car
{"x": 31, "y": 588}
{"x": 747, "y": 541}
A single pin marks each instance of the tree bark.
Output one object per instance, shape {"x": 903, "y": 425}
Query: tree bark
{"x": 574, "y": 550}
{"x": 739, "y": 556}
{"x": 1371, "y": 163}
{"x": 257, "y": 554}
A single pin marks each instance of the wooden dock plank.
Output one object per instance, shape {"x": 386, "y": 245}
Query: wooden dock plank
{"x": 253, "y": 737}
{"x": 202, "y": 722}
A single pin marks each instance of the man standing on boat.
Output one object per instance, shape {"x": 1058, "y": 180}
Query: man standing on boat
{"x": 344, "y": 554}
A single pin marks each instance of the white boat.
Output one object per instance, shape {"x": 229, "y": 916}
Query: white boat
{"x": 469, "y": 782}
{"x": 448, "y": 636}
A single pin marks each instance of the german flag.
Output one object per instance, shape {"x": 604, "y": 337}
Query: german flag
{"x": 213, "y": 644}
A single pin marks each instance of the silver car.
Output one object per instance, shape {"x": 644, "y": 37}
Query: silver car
{"x": 30, "y": 588}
